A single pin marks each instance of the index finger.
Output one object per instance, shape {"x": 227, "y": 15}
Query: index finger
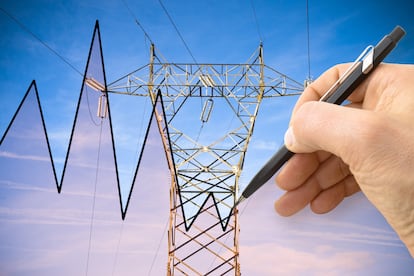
{"x": 322, "y": 84}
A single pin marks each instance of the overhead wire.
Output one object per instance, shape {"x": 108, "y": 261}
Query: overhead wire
{"x": 137, "y": 21}
{"x": 147, "y": 36}
{"x": 256, "y": 21}
{"x": 27, "y": 30}
{"x": 308, "y": 39}
{"x": 188, "y": 49}
{"x": 137, "y": 148}
{"x": 178, "y": 32}
{"x": 158, "y": 248}
{"x": 190, "y": 53}
{"x": 118, "y": 245}
{"x": 94, "y": 199}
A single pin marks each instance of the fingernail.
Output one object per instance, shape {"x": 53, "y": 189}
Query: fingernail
{"x": 289, "y": 137}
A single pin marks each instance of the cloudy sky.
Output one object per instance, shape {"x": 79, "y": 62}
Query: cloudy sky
{"x": 43, "y": 232}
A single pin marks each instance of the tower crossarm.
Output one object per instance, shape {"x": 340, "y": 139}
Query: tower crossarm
{"x": 206, "y": 80}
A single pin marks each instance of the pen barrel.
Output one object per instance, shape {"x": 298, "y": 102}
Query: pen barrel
{"x": 381, "y": 50}
{"x": 267, "y": 171}
{"x": 385, "y": 46}
{"x": 345, "y": 88}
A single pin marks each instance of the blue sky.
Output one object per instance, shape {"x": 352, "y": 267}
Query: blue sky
{"x": 353, "y": 239}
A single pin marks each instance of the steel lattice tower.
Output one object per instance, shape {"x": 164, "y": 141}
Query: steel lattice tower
{"x": 209, "y": 112}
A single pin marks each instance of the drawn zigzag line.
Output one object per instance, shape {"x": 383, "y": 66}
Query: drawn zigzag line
{"x": 82, "y": 155}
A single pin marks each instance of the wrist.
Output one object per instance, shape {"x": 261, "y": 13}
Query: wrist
{"x": 407, "y": 236}
{"x": 405, "y": 230}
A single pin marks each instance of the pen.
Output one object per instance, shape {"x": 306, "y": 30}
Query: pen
{"x": 369, "y": 59}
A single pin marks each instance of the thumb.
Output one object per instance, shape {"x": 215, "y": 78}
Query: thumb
{"x": 322, "y": 126}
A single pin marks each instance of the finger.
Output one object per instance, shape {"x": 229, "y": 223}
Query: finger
{"x": 297, "y": 170}
{"x": 374, "y": 85}
{"x": 302, "y": 166}
{"x": 321, "y": 85}
{"x": 329, "y": 173}
{"x": 321, "y": 126}
{"x": 371, "y": 85}
{"x": 295, "y": 200}
{"x": 328, "y": 199}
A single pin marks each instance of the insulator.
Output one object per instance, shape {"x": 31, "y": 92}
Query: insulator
{"x": 94, "y": 84}
{"x": 206, "y": 112}
{"x": 102, "y": 107}
{"x": 307, "y": 82}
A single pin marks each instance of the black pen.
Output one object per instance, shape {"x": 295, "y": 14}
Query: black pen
{"x": 369, "y": 59}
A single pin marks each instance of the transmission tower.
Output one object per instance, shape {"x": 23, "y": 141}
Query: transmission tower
{"x": 209, "y": 112}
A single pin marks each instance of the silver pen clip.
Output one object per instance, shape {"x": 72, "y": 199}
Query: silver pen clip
{"x": 367, "y": 59}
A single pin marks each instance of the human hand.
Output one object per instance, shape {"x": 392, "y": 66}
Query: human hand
{"x": 367, "y": 145}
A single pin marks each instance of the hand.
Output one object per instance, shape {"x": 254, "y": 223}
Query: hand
{"x": 367, "y": 145}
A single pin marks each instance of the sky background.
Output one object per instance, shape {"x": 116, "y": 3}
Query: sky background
{"x": 44, "y": 232}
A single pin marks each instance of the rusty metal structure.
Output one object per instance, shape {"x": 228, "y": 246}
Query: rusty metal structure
{"x": 206, "y": 115}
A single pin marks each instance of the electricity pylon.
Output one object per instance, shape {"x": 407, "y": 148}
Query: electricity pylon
{"x": 209, "y": 112}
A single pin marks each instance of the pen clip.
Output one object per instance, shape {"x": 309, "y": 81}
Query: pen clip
{"x": 367, "y": 58}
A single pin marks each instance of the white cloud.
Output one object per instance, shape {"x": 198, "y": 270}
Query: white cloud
{"x": 312, "y": 244}
{"x": 50, "y": 232}
{"x": 275, "y": 259}
{"x": 7, "y": 154}
{"x": 263, "y": 145}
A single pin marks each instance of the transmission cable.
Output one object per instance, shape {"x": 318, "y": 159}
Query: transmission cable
{"x": 27, "y": 30}
{"x": 188, "y": 50}
{"x": 256, "y": 21}
{"x": 136, "y": 21}
{"x": 158, "y": 248}
{"x": 178, "y": 32}
{"x": 308, "y": 39}
{"x": 137, "y": 148}
{"x": 115, "y": 263}
{"x": 94, "y": 199}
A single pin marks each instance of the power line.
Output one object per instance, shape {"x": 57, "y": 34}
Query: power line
{"x": 188, "y": 50}
{"x": 27, "y": 30}
{"x": 256, "y": 21}
{"x": 117, "y": 248}
{"x": 158, "y": 248}
{"x": 136, "y": 21}
{"x": 178, "y": 32}
{"x": 308, "y": 38}
{"x": 94, "y": 200}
